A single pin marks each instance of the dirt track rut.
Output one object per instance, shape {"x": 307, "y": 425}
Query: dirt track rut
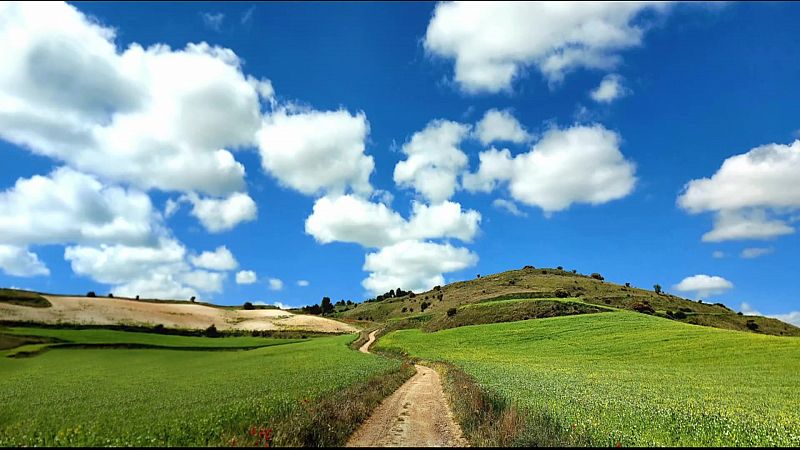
{"x": 415, "y": 415}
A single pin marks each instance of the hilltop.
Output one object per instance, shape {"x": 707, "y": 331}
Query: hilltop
{"x": 497, "y": 298}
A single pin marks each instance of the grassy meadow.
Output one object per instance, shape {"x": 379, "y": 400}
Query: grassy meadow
{"x": 308, "y": 392}
{"x": 627, "y": 378}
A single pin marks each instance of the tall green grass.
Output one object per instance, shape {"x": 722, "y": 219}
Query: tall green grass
{"x": 629, "y": 378}
{"x": 121, "y": 397}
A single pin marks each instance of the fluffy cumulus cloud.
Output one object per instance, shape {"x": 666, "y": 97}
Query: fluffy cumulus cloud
{"x": 152, "y": 117}
{"x": 414, "y": 265}
{"x": 19, "y": 262}
{"x": 749, "y": 194}
{"x": 349, "y": 218}
{"x": 434, "y": 160}
{"x": 159, "y": 271}
{"x": 224, "y": 214}
{"x": 493, "y": 43}
{"x": 70, "y": 207}
{"x": 610, "y": 89}
{"x": 792, "y": 317}
{"x": 246, "y": 277}
{"x": 317, "y": 151}
{"x": 219, "y": 259}
{"x": 704, "y": 285}
{"x": 581, "y": 164}
{"x": 499, "y": 125}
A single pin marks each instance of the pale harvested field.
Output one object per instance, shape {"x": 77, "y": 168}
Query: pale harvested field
{"x": 114, "y": 311}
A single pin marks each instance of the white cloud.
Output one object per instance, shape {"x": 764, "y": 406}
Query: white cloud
{"x": 275, "y": 284}
{"x": 348, "y": 218}
{"x": 704, "y": 285}
{"x": 755, "y": 252}
{"x": 493, "y": 43}
{"x": 159, "y": 271}
{"x": 414, "y": 265}
{"x": 19, "y": 262}
{"x": 509, "y": 206}
{"x": 303, "y": 283}
{"x": 792, "y": 317}
{"x": 317, "y": 151}
{"x": 500, "y": 126}
{"x": 581, "y": 164}
{"x": 70, "y": 207}
{"x": 610, "y": 89}
{"x": 219, "y": 259}
{"x": 213, "y": 20}
{"x": 718, "y": 254}
{"x": 152, "y": 117}
{"x": 749, "y": 193}
{"x": 245, "y": 277}
{"x": 219, "y": 215}
{"x": 745, "y": 224}
{"x": 434, "y": 160}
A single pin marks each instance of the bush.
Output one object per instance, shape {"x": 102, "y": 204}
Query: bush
{"x": 248, "y": 306}
{"x": 211, "y": 331}
{"x": 544, "y": 272}
{"x": 158, "y": 328}
{"x": 561, "y": 293}
{"x": 404, "y": 309}
{"x": 91, "y": 294}
{"x": 423, "y": 306}
{"x": 643, "y": 307}
{"x": 411, "y": 295}
{"x": 739, "y": 313}
{"x": 478, "y": 276}
{"x": 680, "y": 315}
{"x": 597, "y": 276}
{"x": 192, "y": 299}
{"x": 560, "y": 267}
{"x": 137, "y": 297}
{"x": 437, "y": 288}
{"x": 529, "y": 267}
{"x": 451, "y": 312}
{"x": 110, "y": 295}
{"x": 627, "y": 285}
{"x": 752, "y": 325}
{"x": 574, "y": 271}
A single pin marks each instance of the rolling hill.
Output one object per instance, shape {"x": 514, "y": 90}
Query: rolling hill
{"x": 567, "y": 293}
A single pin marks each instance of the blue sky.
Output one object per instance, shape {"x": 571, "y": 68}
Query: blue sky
{"x": 688, "y": 87}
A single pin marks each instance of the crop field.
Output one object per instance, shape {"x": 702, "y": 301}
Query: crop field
{"x": 170, "y": 396}
{"x": 630, "y": 379}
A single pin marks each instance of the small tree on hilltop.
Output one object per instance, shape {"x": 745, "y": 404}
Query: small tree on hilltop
{"x": 91, "y": 294}
{"x": 192, "y": 299}
{"x": 657, "y": 288}
{"x": 248, "y": 306}
{"x": 326, "y": 306}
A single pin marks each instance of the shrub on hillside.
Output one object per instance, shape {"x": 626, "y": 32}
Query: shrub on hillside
{"x": 680, "y": 315}
{"x": 657, "y": 288}
{"x": 248, "y": 306}
{"x": 211, "y": 331}
{"x": 643, "y": 307}
{"x": 597, "y": 276}
{"x": 110, "y": 295}
{"x": 627, "y": 285}
{"x": 404, "y": 309}
{"x": 192, "y": 299}
{"x": 561, "y": 293}
{"x": 752, "y": 325}
{"x": 451, "y": 312}
{"x": 560, "y": 267}
{"x": 423, "y": 306}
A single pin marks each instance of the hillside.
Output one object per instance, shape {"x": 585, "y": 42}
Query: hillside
{"x": 587, "y": 294}
{"x": 28, "y": 307}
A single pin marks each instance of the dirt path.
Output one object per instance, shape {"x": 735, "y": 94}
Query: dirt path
{"x": 415, "y": 415}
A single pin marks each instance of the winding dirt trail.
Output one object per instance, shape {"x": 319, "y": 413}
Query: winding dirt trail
{"x": 415, "y": 415}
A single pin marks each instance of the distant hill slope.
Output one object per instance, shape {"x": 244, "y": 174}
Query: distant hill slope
{"x": 23, "y": 306}
{"x": 544, "y": 283}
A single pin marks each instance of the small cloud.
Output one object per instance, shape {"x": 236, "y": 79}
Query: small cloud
{"x": 213, "y": 20}
{"x": 246, "y": 277}
{"x": 275, "y": 284}
{"x": 792, "y": 317}
{"x": 718, "y": 254}
{"x": 755, "y": 252}
{"x": 704, "y": 286}
{"x": 610, "y": 89}
{"x": 508, "y": 206}
{"x": 247, "y": 16}
{"x": 303, "y": 283}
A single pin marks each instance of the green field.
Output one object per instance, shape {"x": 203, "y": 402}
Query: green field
{"x": 629, "y": 378}
{"x": 151, "y": 397}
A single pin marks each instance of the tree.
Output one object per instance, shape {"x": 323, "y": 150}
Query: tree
{"x": 91, "y": 294}
{"x": 423, "y": 306}
{"x": 627, "y": 285}
{"x": 248, "y": 306}
{"x": 110, "y": 295}
{"x": 212, "y": 331}
{"x": 391, "y": 293}
{"x": 137, "y": 297}
{"x": 657, "y": 288}
{"x": 192, "y": 299}
{"x": 326, "y": 306}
